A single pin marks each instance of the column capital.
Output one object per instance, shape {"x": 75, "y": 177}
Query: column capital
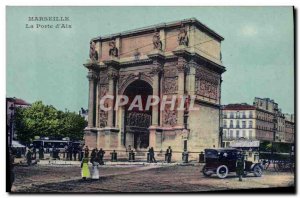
{"x": 92, "y": 75}
{"x": 183, "y": 67}
{"x": 156, "y": 70}
{"x": 112, "y": 75}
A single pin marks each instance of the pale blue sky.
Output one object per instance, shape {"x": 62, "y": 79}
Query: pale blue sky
{"x": 47, "y": 64}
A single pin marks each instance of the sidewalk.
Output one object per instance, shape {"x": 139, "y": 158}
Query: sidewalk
{"x": 122, "y": 163}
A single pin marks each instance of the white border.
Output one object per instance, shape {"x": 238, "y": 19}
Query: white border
{"x": 5, "y": 3}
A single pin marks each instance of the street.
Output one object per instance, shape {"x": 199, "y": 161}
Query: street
{"x": 138, "y": 178}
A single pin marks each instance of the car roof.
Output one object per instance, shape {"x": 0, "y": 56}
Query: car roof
{"x": 222, "y": 149}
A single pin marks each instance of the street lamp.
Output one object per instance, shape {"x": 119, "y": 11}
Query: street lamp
{"x": 11, "y": 108}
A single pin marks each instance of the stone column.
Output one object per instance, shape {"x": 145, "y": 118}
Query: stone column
{"x": 155, "y": 93}
{"x": 111, "y": 78}
{"x": 92, "y": 77}
{"x": 191, "y": 79}
{"x": 180, "y": 93}
{"x": 158, "y": 59}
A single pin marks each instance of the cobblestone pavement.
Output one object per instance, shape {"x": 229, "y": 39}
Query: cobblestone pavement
{"x": 138, "y": 178}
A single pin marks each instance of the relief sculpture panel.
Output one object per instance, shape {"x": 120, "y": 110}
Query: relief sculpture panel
{"x": 207, "y": 83}
{"x": 170, "y": 85}
{"x": 103, "y": 88}
{"x": 138, "y": 119}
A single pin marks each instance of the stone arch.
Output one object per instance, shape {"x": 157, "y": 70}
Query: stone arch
{"x": 130, "y": 78}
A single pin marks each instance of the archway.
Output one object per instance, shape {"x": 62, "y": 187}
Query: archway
{"x": 137, "y": 121}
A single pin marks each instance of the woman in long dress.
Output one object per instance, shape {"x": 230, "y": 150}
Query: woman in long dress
{"x": 85, "y": 172}
{"x": 95, "y": 171}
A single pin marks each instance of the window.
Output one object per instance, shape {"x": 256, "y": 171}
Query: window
{"x": 225, "y": 133}
{"x": 231, "y": 134}
{"x": 224, "y": 115}
{"x": 231, "y": 115}
{"x": 237, "y": 114}
{"x": 237, "y": 134}
{"x": 250, "y": 124}
{"x": 224, "y": 124}
{"x": 231, "y": 123}
{"x": 250, "y": 134}
{"x": 244, "y": 114}
{"x": 250, "y": 114}
{"x": 244, "y": 124}
{"x": 237, "y": 124}
{"x": 244, "y": 133}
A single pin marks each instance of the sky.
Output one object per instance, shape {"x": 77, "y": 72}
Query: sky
{"x": 47, "y": 64}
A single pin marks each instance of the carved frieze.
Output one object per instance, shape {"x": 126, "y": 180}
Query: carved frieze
{"x": 170, "y": 85}
{"x": 103, "y": 118}
{"x": 103, "y": 79}
{"x": 138, "y": 119}
{"x": 207, "y": 83}
{"x": 103, "y": 89}
{"x": 170, "y": 117}
{"x": 170, "y": 72}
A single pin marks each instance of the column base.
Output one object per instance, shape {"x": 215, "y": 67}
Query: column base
{"x": 108, "y": 138}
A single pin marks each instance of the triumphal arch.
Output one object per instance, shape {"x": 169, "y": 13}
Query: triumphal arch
{"x": 181, "y": 59}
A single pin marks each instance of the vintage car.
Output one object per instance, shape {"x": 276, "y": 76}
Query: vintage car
{"x": 223, "y": 161}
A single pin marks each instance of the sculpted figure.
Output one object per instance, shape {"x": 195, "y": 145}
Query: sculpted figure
{"x": 113, "y": 50}
{"x": 93, "y": 52}
{"x": 156, "y": 40}
{"x": 182, "y": 36}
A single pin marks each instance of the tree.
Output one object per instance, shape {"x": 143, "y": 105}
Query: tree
{"x": 46, "y": 121}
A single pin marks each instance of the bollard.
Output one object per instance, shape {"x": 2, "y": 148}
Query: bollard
{"x": 148, "y": 157}
{"x": 185, "y": 157}
{"x": 245, "y": 156}
{"x": 201, "y": 157}
{"x": 114, "y": 156}
{"x": 256, "y": 157}
{"x": 131, "y": 156}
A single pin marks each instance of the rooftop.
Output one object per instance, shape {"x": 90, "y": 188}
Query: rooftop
{"x": 18, "y": 101}
{"x": 173, "y": 24}
{"x": 239, "y": 106}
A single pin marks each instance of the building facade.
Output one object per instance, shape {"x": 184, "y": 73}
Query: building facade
{"x": 181, "y": 58}
{"x": 289, "y": 135}
{"x": 11, "y": 105}
{"x": 239, "y": 122}
{"x": 262, "y": 121}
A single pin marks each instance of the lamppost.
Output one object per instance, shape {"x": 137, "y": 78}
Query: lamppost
{"x": 11, "y": 108}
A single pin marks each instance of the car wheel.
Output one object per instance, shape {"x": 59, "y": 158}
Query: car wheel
{"x": 222, "y": 171}
{"x": 206, "y": 172}
{"x": 257, "y": 170}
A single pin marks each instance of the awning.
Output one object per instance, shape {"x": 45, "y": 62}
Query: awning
{"x": 17, "y": 144}
{"x": 241, "y": 143}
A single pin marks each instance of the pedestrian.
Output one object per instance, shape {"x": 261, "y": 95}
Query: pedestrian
{"x": 240, "y": 165}
{"x": 34, "y": 152}
{"x": 85, "y": 172}
{"x": 169, "y": 154}
{"x": 70, "y": 151}
{"x": 86, "y": 151}
{"x": 93, "y": 154}
{"x": 75, "y": 152}
{"x": 100, "y": 156}
{"x": 65, "y": 151}
{"x": 81, "y": 151}
{"x": 41, "y": 152}
{"x": 95, "y": 171}
{"x": 29, "y": 157}
{"x": 151, "y": 153}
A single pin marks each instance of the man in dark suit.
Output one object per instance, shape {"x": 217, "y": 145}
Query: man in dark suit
{"x": 169, "y": 154}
